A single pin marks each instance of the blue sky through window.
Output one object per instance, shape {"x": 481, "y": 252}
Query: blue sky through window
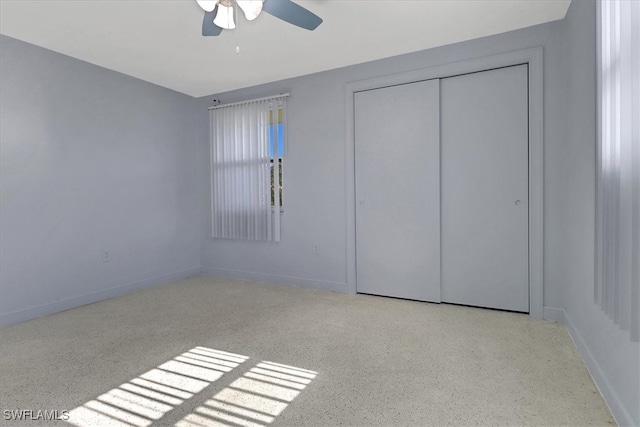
{"x": 280, "y": 140}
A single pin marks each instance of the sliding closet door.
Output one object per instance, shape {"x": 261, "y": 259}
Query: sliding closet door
{"x": 485, "y": 189}
{"x": 397, "y": 191}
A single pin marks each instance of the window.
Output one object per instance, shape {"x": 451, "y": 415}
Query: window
{"x": 280, "y": 153}
{"x": 618, "y": 206}
{"x": 247, "y": 142}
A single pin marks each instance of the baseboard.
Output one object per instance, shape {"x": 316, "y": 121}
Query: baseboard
{"x": 553, "y": 314}
{"x": 55, "y": 307}
{"x": 617, "y": 408}
{"x": 274, "y": 279}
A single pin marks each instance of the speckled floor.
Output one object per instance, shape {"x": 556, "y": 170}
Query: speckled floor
{"x": 205, "y": 352}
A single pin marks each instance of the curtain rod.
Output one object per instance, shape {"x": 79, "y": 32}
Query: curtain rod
{"x": 266, "y": 98}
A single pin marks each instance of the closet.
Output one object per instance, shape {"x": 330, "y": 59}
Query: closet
{"x": 441, "y": 183}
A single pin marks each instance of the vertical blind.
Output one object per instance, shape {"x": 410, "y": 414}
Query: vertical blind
{"x": 242, "y": 166}
{"x": 618, "y": 194}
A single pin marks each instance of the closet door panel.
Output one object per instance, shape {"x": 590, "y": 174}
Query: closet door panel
{"x": 397, "y": 191}
{"x": 484, "y": 189}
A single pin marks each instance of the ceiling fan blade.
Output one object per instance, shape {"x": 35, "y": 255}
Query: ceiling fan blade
{"x": 208, "y": 27}
{"x": 292, "y": 13}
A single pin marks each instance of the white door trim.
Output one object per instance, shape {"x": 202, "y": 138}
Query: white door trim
{"x": 534, "y": 58}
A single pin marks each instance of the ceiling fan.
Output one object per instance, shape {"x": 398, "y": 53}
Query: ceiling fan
{"x": 218, "y": 14}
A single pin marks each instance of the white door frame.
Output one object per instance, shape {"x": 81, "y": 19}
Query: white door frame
{"x": 534, "y": 58}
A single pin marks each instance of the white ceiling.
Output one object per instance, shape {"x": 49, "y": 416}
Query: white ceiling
{"x": 159, "y": 40}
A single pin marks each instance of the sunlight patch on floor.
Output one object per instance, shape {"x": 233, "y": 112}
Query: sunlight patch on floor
{"x": 253, "y": 400}
{"x": 147, "y": 398}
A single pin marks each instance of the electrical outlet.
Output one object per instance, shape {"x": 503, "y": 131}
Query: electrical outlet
{"x": 106, "y": 256}
{"x": 315, "y": 249}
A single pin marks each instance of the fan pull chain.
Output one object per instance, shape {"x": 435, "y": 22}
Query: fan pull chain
{"x": 235, "y": 5}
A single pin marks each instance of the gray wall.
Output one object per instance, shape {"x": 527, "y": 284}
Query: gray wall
{"x": 314, "y": 167}
{"x": 613, "y": 360}
{"x": 91, "y": 160}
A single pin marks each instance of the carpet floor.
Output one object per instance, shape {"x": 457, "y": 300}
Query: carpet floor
{"x": 207, "y": 352}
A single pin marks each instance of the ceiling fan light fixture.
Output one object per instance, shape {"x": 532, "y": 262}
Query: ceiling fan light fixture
{"x": 251, "y": 8}
{"x": 207, "y": 5}
{"x": 224, "y": 17}
{"x": 219, "y": 14}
